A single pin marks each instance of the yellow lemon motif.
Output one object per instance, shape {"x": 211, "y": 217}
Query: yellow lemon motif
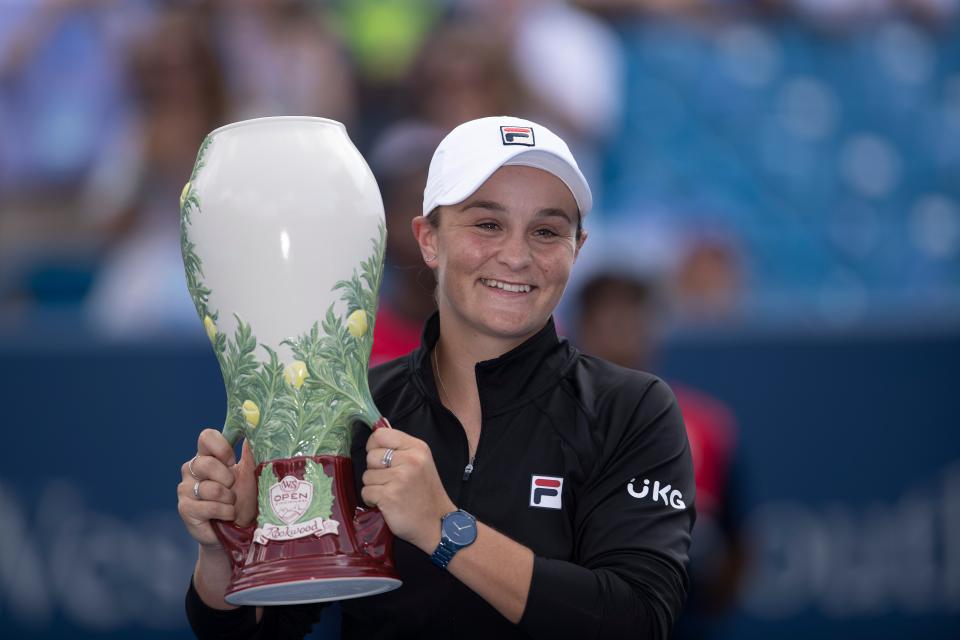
{"x": 183, "y": 194}
{"x": 251, "y": 412}
{"x": 210, "y": 327}
{"x": 357, "y": 323}
{"x": 296, "y": 373}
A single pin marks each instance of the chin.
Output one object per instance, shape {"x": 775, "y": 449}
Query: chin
{"x": 514, "y": 327}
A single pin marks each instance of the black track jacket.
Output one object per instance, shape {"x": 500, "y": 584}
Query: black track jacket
{"x": 610, "y": 541}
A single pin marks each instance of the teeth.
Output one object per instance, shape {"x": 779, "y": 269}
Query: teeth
{"x": 506, "y": 286}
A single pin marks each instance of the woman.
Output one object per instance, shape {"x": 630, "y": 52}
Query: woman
{"x": 534, "y": 491}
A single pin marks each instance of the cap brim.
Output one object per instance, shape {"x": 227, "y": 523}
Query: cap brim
{"x": 535, "y": 158}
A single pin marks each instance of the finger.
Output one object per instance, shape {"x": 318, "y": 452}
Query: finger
{"x": 210, "y": 468}
{"x": 390, "y": 439}
{"x": 246, "y": 454}
{"x": 212, "y": 443}
{"x": 373, "y": 477}
{"x": 212, "y": 491}
{"x": 371, "y": 495}
{"x": 375, "y": 458}
{"x": 199, "y": 512}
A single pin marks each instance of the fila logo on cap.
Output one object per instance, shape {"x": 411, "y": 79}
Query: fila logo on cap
{"x": 545, "y": 492}
{"x": 517, "y": 135}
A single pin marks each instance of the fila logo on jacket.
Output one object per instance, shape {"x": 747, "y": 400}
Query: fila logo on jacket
{"x": 546, "y": 492}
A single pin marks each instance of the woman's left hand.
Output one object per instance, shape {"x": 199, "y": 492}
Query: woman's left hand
{"x": 408, "y": 493}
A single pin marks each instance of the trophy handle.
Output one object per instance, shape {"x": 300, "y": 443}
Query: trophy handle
{"x": 235, "y": 539}
{"x": 373, "y": 534}
{"x": 381, "y": 423}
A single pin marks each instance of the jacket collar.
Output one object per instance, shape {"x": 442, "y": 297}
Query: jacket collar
{"x": 508, "y": 380}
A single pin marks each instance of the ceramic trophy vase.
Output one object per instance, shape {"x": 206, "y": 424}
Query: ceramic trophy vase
{"x": 282, "y": 234}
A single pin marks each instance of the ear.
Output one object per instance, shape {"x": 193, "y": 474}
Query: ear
{"x": 583, "y": 239}
{"x": 426, "y": 236}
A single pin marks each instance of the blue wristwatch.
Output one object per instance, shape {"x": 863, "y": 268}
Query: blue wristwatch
{"x": 458, "y": 529}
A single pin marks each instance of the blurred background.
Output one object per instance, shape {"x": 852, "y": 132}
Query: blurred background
{"x": 777, "y": 234}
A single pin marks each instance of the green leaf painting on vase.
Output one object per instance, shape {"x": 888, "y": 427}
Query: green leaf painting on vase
{"x": 305, "y": 407}
{"x": 189, "y": 204}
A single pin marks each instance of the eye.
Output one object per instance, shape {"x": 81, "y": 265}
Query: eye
{"x": 488, "y": 226}
{"x": 546, "y": 233}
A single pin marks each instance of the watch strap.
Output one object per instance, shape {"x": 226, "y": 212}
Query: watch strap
{"x": 444, "y": 553}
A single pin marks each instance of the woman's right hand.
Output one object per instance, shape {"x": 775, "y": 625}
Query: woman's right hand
{"x": 227, "y": 489}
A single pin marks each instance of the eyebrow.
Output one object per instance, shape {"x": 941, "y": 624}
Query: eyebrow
{"x": 553, "y": 212}
{"x": 549, "y": 212}
{"x": 483, "y": 204}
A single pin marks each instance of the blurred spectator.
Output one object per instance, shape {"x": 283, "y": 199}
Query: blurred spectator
{"x": 572, "y": 67}
{"x": 281, "y": 57}
{"x": 618, "y": 319}
{"x": 464, "y": 72}
{"x": 709, "y": 279}
{"x": 384, "y": 36}
{"x": 384, "y": 39}
{"x": 619, "y": 316}
{"x": 568, "y": 68}
{"x": 178, "y": 86}
{"x": 400, "y": 160}
{"x": 61, "y": 91}
{"x": 60, "y": 88}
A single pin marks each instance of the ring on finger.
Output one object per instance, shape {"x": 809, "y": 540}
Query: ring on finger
{"x": 387, "y": 458}
{"x": 190, "y": 467}
{"x": 196, "y": 489}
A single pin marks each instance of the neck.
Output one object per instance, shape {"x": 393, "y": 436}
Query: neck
{"x": 468, "y": 346}
{"x": 455, "y": 362}
{"x": 457, "y": 352}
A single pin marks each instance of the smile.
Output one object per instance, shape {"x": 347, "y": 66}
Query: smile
{"x": 506, "y": 286}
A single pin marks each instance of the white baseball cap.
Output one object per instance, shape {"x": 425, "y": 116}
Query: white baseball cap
{"x": 473, "y": 151}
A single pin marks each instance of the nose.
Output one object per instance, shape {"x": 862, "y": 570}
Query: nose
{"x": 515, "y": 250}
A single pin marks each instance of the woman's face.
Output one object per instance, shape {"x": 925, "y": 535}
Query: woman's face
{"x": 504, "y": 254}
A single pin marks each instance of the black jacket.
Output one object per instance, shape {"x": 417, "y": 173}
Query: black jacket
{"x": 610, "y": 562}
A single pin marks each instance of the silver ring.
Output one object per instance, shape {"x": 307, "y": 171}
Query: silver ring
{"x": 190, "y": 467}
{"x": 387, "y": 458}
{"x": 196, "y": 489}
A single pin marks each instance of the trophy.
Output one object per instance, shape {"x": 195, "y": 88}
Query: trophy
{"x": 282, "y": 233}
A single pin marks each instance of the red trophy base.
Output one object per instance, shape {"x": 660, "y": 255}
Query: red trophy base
{"x": 354, "y": 562}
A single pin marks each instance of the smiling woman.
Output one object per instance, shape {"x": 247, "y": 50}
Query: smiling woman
{"x": 503, "y": 258}
{"x": 507, "y": 480}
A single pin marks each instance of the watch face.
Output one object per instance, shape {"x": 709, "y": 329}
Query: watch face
{"x": 460, "y": 528}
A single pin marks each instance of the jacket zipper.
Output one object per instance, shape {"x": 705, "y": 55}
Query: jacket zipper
{"x": 471, "y": 462}
{"x": 469, "y": 470}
